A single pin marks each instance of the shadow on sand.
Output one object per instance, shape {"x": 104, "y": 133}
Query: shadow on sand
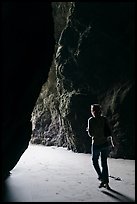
{"x": 118, "y": 196}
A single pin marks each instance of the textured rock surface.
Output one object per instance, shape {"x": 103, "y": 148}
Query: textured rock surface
{"x": 94, "y": 63}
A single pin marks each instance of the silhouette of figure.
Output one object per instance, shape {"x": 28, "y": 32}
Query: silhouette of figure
{"x": 100, "y": 131}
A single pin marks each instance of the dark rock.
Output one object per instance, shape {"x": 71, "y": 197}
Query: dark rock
{"x": 28, "y": 47}
{"x": 94, "y": 63}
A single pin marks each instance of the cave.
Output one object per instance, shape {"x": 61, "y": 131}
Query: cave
{"x": 58, "y": 59}
{"x": 28, "y": 47}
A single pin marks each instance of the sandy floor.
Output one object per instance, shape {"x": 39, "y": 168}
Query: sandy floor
{"x": 52, "y": 174}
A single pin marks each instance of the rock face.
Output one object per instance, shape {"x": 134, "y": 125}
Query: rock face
{"x": 28, "y": 47}
{"x": 94, "y": 63}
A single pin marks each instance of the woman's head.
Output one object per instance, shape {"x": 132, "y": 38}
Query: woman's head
{"x": 96, "y": 110}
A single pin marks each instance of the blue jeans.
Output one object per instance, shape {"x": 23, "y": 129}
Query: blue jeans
{"x": 96, "y": 151}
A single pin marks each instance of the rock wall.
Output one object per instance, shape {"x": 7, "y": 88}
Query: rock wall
{"x": 28, "y": 46}
{"x": 94, "y": 63}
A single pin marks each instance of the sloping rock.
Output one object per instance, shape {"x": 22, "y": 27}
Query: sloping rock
{"x": 94, "y": 63}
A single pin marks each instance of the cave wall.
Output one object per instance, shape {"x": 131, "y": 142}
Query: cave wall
{"x": 94, "y": 63}
{"x": 28, "y": 45}
{"x": 93, "y": 49}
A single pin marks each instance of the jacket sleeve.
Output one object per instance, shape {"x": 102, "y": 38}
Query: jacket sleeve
{"x": 109, "y": 133}
{"x": 107, "y": 128}
{"x": 89, "y": 128}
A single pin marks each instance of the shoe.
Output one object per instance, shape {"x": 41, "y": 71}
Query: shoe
{"x": 102, "y": 184}
{"x": 105, "y": 185}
